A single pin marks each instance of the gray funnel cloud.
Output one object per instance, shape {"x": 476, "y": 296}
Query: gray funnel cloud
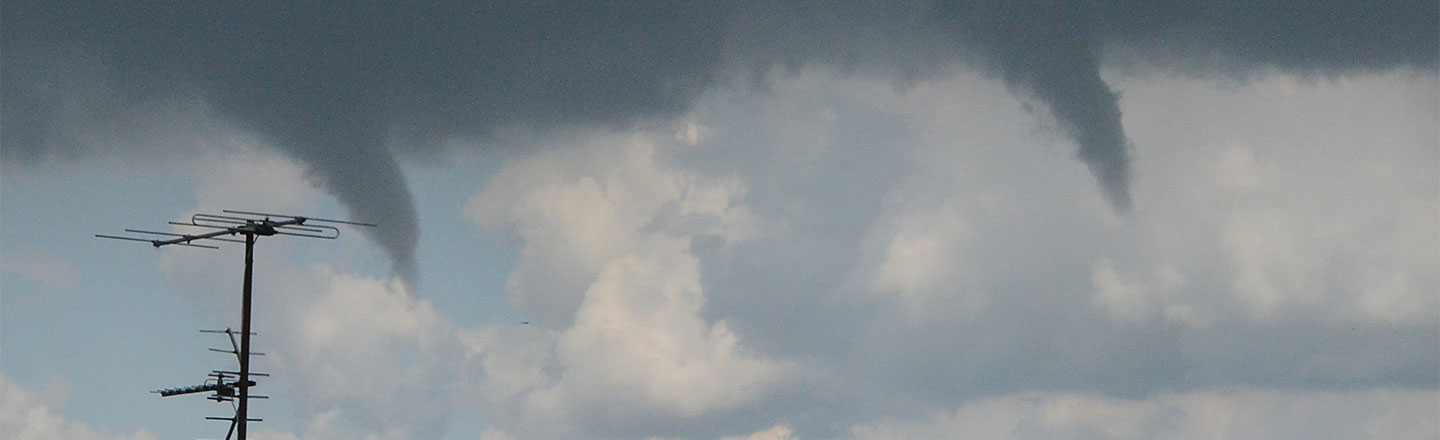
{"x": 344, "y": 86}
{"x": 1040, "y": 49}
{"x": 352, "y": 165}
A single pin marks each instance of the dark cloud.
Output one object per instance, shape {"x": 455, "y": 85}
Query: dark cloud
{"x": 341, "y": 86}
{"x": 1051, "y": 49}
{"x": 331, "y": 83}
{"x": 1041, "y": 48}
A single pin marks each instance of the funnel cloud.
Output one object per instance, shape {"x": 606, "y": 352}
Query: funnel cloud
{"x": 1040, "y": 51}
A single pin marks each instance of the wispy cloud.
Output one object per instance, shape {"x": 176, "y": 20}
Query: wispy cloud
{"x": 41, "y": 266}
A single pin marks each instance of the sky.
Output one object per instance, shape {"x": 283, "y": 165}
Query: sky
{"x": 748, "y": 220}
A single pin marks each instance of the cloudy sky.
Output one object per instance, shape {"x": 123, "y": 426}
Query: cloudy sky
{"x": 748, "y": 220}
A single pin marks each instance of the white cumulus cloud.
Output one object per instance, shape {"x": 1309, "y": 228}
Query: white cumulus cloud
{"x": 28, "y": 415}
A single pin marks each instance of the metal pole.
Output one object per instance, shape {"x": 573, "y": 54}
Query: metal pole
{"x": 241, "y": 415}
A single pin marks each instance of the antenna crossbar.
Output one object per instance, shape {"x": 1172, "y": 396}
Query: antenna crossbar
{"x": 242, "y": 223}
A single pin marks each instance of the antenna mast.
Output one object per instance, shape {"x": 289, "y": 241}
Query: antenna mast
{"x": 226, "y": 228}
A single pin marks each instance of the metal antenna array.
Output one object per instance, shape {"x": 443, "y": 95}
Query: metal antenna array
{"x": 217, "y": 385}
{"x": 234, "y": 386}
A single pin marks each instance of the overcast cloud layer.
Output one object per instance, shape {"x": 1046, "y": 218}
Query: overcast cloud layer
{"x": 777, "y": 222}
{"x": 341, "y": 87}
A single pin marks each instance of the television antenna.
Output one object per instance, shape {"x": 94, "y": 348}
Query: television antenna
{"x": 222, "y": 384}
{"x": 230, "y": 226}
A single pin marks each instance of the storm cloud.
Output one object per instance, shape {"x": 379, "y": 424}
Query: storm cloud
{"x": 754, "y": 219}
{"x": 352, "y": 89}
{"x": 338, "y": 86}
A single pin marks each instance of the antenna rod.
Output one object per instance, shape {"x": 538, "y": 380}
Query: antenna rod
{"x": 241, "y": 415}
